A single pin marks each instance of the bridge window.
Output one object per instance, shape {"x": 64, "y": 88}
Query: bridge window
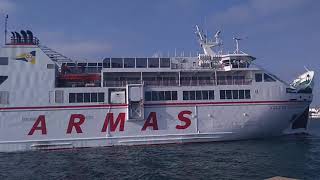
{"x": 116, "y": 63}
{"x": 165, "y": 62}
{"x": 129, "y": 62}
{"x": 141, "y": 62}
{"x": 258, "y": 77}
{"x": 153, "y": 62}
{"x": 268, "y": 78}
{"x": 4, "y": 60}
{"x": 106, "y": 63}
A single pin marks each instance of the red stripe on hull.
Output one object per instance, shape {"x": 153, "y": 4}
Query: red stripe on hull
{"x": 65, "y": 107}
{"x": 154, "y": 104}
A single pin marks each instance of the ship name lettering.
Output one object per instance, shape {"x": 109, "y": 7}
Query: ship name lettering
{"x": 109, "y": 120}
{"x": 73, "y": 123}
{"x": 77, "y": 120}
{"x": 187, "y": 121}
{"x": 40, "y": 121}
{"x": 151, "y": 121}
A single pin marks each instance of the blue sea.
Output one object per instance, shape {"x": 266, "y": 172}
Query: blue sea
{"x": 294, "y": 156}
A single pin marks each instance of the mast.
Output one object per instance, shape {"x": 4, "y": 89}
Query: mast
{"x": 5, "y": 29}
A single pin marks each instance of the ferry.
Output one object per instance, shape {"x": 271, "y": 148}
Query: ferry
{"x": 49, "y": 101}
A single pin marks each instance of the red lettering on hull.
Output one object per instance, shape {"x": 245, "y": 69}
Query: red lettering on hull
{"x": 42, "y": 121}
{"x": 151, "y": 121}
{"x": 74, "y": 124}
{"x": 113, "y": 125}
{"x": 187, "y": 121}
{"x": 76, "y": 120}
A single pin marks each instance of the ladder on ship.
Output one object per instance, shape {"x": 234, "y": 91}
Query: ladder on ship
{"x": 55, "y": 56}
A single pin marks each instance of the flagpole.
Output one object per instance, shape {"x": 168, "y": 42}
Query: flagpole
{"x": 5, "y": 30}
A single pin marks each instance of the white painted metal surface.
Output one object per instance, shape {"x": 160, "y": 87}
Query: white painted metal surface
{"x": 211, "y": 97}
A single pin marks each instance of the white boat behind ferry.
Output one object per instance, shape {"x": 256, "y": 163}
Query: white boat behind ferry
{"x": 48, "y": 101}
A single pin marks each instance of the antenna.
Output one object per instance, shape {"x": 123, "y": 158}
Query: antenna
{"x": 237, "y": 44}
{"x": 5, "y": 29}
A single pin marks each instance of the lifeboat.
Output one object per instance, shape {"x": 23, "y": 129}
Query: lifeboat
{"x": 80, "y": 77}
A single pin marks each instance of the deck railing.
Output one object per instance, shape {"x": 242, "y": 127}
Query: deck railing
{"x": 176, "y": 83}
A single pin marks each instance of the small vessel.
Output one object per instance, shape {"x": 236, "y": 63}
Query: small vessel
{"x": 49, "y": 101}
{"x": 314, "y": 113}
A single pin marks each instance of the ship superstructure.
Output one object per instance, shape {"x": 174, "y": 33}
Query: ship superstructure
{"x": 48, "y": 101}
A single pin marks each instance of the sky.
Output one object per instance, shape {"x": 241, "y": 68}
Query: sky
{"x": 284, "y": 35}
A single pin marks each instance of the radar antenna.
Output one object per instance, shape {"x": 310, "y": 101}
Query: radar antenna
{"x": 208, "y": 44}
{"x": 237, "y": 43}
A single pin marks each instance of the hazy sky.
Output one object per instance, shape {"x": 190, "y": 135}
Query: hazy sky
{"x": 284, "y": 35}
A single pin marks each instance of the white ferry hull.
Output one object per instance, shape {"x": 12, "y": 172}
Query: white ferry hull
{"x": 19, "y": 130}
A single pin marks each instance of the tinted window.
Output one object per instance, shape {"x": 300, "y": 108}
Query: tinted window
{"x": 106, "y": 63}
{"x": 3, "y": 78}
{"x": 116, "y": 63}
{"x": 168, "y": 95}
{"x": 205, "y": 95}
{"x": 86, "y": 97}
{"x": 129, "y": 62}
{"x": 211, "y": 95}
{"x": 72, "y": 98}
{"x": 185, "y": 95}
{"x": 94, "y": 97}
{"x": 222, "y": 94}
{"x": 192, "y": 95}
{"x": 241, "y": 94}
{"x": 141, "y": 62}
{"x": 174, "y": 95}
{"x": 164, "y": 62}
{"x": 247, "y": 94}
{"x": 153, "y": 62}
{"x": 100, "y": 97}
{"x": 235, "y": 94}
{"x": 4, "y": 60}
{"x": 198, "y": 95}
{"x": 228, "y": 94}
{"x": 79, "y": 97}
{"x": 155, "y": 96}
{"x": 161, "y": 96}
{"x": 92, "y": 64}
{"x": 258, "y": 77}
{"x": 147, "y": 96}
{"x": 268, "y": 78}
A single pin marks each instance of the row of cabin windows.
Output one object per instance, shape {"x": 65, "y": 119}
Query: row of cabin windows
{"x": 235, "y": 94}
{"x": 161, "y": 95}
{"x": 136, "y": 63}
{"x": 86, "y": 97}
{"x": 198, "y": 95}
{"x": 266, "y": 77}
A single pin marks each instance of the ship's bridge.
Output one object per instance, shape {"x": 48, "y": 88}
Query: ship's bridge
{"x": 236, "y": 61}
